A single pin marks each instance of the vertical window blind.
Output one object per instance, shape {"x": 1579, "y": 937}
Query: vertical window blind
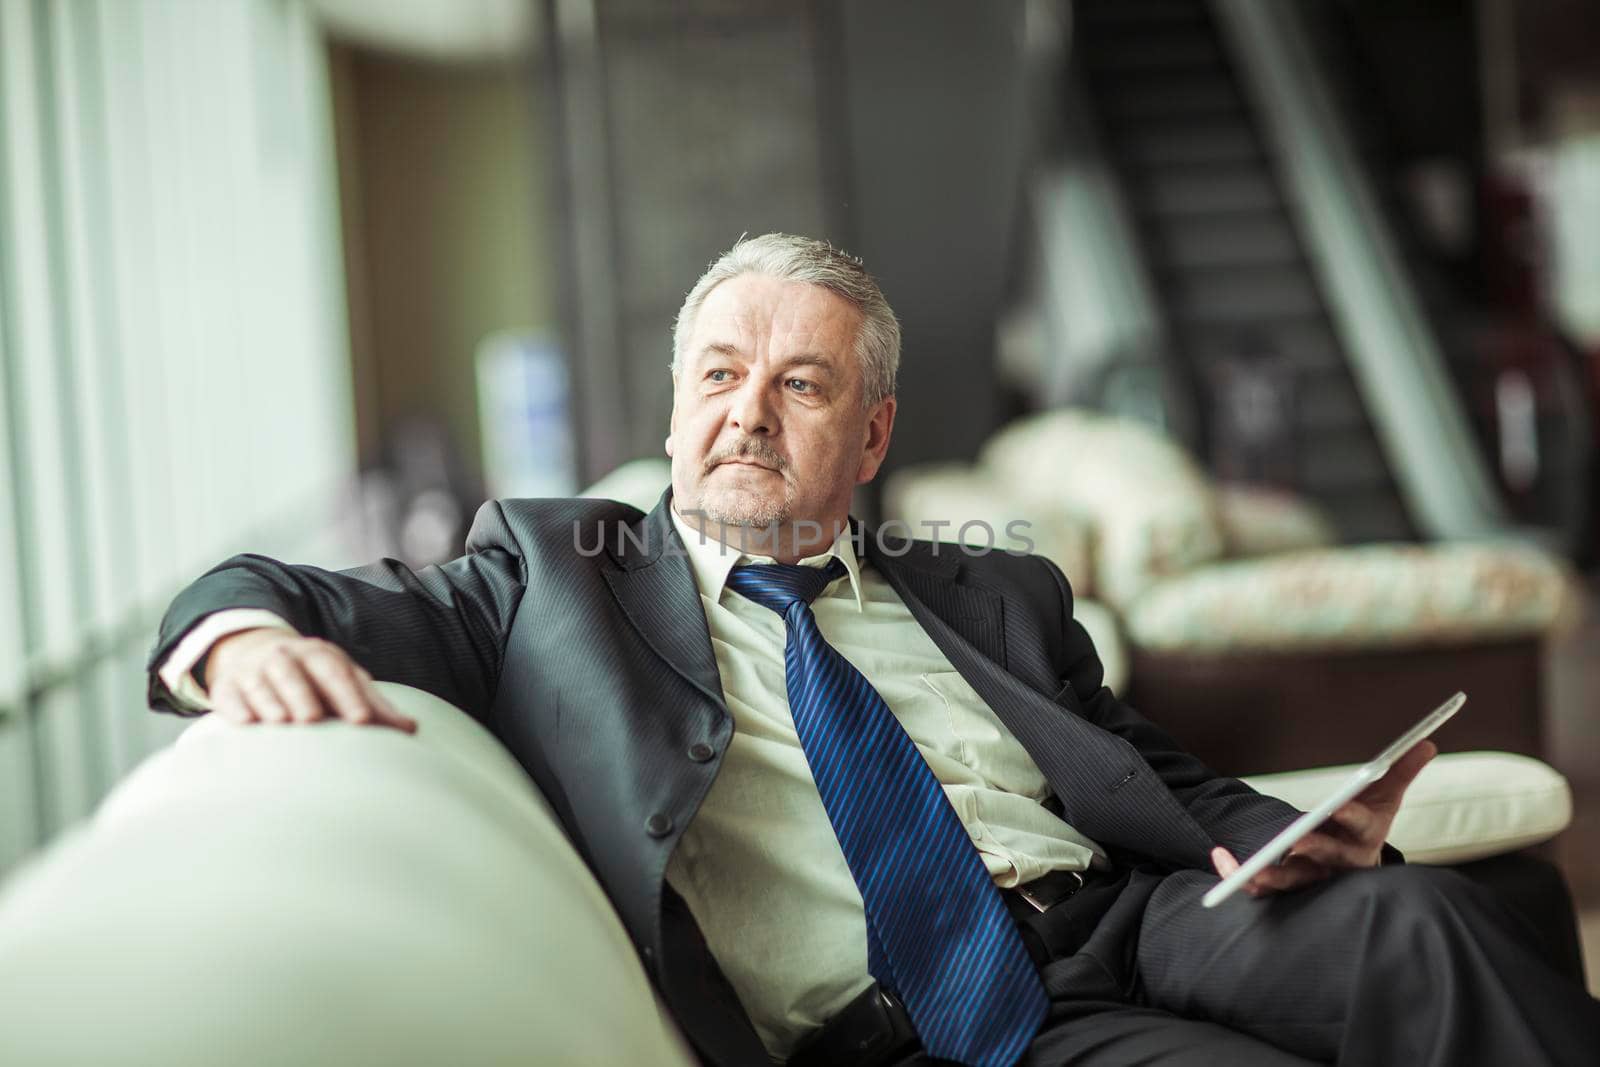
{"x": 174, "y": 370}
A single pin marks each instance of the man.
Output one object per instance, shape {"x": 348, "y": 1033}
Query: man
{"x": 855, "y": 796}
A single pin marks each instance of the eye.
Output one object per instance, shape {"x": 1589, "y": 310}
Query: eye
{"x": 800, "y": 385}
{"x": 725, "y": 375}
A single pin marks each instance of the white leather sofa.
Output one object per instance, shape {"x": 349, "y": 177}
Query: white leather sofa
{"x": 333, "y": 894}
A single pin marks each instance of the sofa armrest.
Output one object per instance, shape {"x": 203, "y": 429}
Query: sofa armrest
{"x": 1463, "y": 806}
{"x": 319, "y": 894}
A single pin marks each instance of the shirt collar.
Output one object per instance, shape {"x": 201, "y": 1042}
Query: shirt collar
{"x": 712, "y": 561}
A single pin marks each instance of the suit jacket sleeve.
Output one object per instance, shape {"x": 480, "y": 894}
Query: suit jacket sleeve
{"x": 442, "y": 628}
{"x": 1233, "y": 814}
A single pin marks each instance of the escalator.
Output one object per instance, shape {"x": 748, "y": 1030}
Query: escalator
{"x": 1227, "y": 264}
{"x": 1310, "y": 342}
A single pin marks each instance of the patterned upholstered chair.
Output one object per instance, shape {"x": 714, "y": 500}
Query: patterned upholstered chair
{"x": 1250, "y": 635}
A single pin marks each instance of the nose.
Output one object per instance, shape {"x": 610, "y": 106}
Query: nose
{"x": 752, "y": 411}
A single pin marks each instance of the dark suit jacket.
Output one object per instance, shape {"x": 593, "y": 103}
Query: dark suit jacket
{"x": 573, "y": 630}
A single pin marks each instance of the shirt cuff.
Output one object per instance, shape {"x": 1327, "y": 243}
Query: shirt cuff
{"x": 177, "y": 672}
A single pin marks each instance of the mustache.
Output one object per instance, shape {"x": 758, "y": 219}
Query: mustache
{"x": 750, "y": 449}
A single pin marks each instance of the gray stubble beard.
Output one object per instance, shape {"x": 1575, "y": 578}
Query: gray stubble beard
{"x": 765, "y": 514}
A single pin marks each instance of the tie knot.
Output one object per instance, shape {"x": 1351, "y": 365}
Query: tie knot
{"x": 780, "y": 585}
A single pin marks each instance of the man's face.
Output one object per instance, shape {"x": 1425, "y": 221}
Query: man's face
{"x": 768, "y": 427}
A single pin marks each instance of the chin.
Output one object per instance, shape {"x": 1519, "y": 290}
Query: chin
{"x": 744, "y": 507}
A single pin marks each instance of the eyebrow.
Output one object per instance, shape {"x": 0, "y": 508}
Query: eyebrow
{"x": 803, "y": 359}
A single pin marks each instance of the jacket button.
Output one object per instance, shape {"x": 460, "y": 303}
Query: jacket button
{"x": 700, "y": 752}
{"x": 658, "y": 825}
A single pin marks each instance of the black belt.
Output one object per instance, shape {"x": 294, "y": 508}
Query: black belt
{"x": 1048, "y": 890}
{"x": 873, "y": 1030}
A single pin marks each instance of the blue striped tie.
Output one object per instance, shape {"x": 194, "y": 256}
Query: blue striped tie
{"x": 938, "y": 934}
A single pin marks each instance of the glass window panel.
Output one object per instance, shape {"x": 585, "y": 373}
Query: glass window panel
{"x": 132, "y": 245}
{"x": 124, "y": 713}
{"x": 99, "y": 430}
{"x": 170, "y": 344}
{"x": 42, "y": 489}
{"x": 63, "y": 768}
{"x": 12, "y": 645}
{"x": 17, "y": 815}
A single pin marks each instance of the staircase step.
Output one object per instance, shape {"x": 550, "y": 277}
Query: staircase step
{"x": 1207, "y": 191}
{"x": 1122, "y": 14}
{"x": 1225, "y": 139}
{"x": 1309, "y": 352}
{"x": 1171, "y": 98}
{"x": 1142, "y": 55}
{"x": 1341, "y": 462}
{"x": 1241, "y": 296}
{"x": 1206, "y": 242}
{"x": 1329, "y": 405}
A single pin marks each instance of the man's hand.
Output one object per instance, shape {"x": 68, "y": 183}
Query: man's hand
{"x": 1352, "y": 837}
{"x": 271, "y": 675}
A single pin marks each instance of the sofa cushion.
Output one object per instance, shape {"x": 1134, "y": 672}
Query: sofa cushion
{"x": 1151, "y": 506}
{"x": 938, "y": 500}
{"x": 1386, "y": 596}
{"x": 1463, "y": 806}
{"x": 322, "y": 894}
{"x": 1257, "y": 521}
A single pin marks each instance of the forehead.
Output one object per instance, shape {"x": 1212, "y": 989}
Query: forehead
{"x": 761, "y": 316}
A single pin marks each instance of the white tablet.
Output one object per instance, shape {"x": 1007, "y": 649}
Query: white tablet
{"x": 1362, "y": 777}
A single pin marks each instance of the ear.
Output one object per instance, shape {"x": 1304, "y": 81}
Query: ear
{"x": 672, "y": 428}
{"x": 880, "y": 425}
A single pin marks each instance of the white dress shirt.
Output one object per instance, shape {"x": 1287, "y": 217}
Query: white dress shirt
{"x": 760, "y": 867}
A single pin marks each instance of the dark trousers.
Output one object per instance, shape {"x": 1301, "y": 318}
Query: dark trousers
{"x": 1399, "y": 965}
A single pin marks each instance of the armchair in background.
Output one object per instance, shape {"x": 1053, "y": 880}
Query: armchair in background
{"x": 1251, "y": 636}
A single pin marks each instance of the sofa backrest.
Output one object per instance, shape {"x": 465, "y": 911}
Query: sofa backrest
{"x": 323, "y": 894}
{"x": 966, "y": 505}
{"x": 1152, "y": 507}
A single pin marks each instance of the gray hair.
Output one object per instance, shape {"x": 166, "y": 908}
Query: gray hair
{"x": 806, "y": 259}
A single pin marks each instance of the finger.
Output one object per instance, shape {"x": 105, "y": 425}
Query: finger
{"x": 289, "y": 682}
{"x": 1388, "y": 790}
{"x": 350, "y": 687}
{"x": 331, "y": 670}
{"x": 227, "y": 702}
{"x": 1223, "y": 861}
{"x": 390, "y": 715}
{"x": 1226, "y": 863}
{"x": 264, "y": 701}
{"x": 1357, "y": 822}
{"x": 1293, "y": 873}
{"x": 1334, "y": 852}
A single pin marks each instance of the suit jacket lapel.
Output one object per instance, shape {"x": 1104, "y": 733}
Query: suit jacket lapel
{"x": 929, "y": 585}
{"x": 1104, "y": 784}
{"x": 657, "y": 591}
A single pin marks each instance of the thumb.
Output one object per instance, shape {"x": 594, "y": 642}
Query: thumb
{"x": 1223, "y": 861}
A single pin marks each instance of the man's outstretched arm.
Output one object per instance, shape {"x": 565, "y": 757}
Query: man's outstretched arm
{"x": 440, "y": 628}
